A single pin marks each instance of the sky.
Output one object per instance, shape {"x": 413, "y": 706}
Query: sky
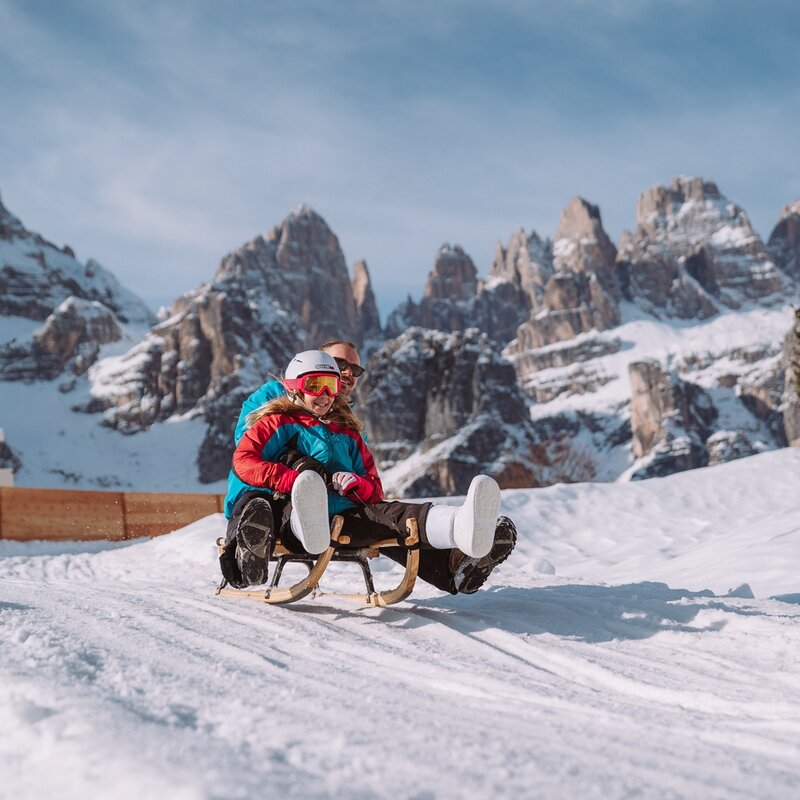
{"x": 158, "y": 137}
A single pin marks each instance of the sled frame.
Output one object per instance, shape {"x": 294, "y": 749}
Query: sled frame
{"x": 338, "y": 550}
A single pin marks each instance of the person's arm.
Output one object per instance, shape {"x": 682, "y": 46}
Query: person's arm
{"x": 269, "y": 391}
{"x": 363, "y": 480}
{"x": 252, "y": 459}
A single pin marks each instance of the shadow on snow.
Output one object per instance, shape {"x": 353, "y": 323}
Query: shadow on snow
{"x": 586, "y": 613}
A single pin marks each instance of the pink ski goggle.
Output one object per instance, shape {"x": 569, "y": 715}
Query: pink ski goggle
{"x": 314, "y": 384}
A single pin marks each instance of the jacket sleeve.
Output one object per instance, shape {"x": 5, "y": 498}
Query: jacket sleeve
{"x": 251, "y": 459}
{"x": 368, "y": 473}
{"x": 269, "y": 391}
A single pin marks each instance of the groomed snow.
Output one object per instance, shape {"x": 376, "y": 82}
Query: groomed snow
{"x": 607, "y": 658}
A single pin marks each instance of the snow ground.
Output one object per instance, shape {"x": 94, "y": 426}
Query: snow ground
{"x": 607, "y": 658}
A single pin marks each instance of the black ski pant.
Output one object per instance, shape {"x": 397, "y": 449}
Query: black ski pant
{"x": 364, "y": 528}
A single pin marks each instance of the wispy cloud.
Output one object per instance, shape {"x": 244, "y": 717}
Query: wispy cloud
{"x": 161, "y": 136}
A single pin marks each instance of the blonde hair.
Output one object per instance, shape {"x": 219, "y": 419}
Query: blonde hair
{"x": 340, "y": 412}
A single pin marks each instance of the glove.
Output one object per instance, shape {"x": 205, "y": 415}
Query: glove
{"x": 346, "y": 482}
{"x": 285, "y": 482}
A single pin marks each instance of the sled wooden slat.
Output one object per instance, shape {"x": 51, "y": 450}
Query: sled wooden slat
{"x": 406, "y": 585}
{"x": 299, "y": 589}
{"x": 277, "y": 596}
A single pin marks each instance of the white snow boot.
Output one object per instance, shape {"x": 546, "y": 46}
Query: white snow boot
{"x": 309, "y": 519}
{"x": 475, "y": 521}
{"x": 471, "y": 527}
{"x": 439, "y": 527}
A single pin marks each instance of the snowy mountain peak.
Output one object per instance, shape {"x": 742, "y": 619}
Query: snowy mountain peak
{"x": 37, "y": 276}
{"x": 581, "y": 243}
{"x": 694, "y": 253}
{"x": 790, "y": 209}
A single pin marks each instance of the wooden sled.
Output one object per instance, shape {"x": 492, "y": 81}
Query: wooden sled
{"x": 338, "y": 550}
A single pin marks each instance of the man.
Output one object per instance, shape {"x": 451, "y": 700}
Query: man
{"x": 449, "y": 570}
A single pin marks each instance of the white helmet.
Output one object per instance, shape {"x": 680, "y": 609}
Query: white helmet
{"x": 311, "y": 361}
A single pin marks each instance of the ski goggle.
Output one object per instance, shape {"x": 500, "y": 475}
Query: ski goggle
{"x": 356, "y": 370}
{"x": 315, "y": 384}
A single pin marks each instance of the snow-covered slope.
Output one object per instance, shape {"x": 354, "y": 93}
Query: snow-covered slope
{"x": 606, "y": 659}
{"x": 727, "y": 356}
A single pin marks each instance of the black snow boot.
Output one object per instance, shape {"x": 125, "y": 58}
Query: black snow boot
{"x": 255, "y": 538}
{"x": 469, "y": 574}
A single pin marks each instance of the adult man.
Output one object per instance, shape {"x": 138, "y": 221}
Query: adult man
{"x": 449, "y": 570}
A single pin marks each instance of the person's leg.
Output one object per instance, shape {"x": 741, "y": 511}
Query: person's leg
{"x": 471, "y": 526}
{"x": 309, "y": 515}
{"x": 249, "y": 540}
{"x": 364, "y": 529}
{"x": 366, "y": 526}
{"x": 442, "y": 564}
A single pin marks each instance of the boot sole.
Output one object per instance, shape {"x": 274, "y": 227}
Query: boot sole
{"x": 472, "y": 573}
{"x": 254, "y": 540}
{"x": 310, "y": 503}
{"x": 480, "y": 515}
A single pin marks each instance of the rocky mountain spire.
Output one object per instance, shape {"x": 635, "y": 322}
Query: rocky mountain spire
{"x": 693, "y": 252}
{"x": 581, "y": 293}
{"x": 784, "y": 241}
{"x": 300, "y": 267}
{"x": 270, "y": 298}
{"x": 455, "y": 299}
{"x": 369, "y": 321}
{"x": 526, "y": 263}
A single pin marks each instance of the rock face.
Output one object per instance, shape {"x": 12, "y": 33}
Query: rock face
{"x": 8, "y": 459}
{"x": 271, "y": 298}
{"x": 369, "y": 321}
{"x": 784, "y": 241}
{"x": 693, "y": 252}
{"x": 36, "y": 277}
{"x": 440, "y": 408}
{"x": 522, "y": 270}
{"x": 790, "y": 405}
{"x": 670, "y": 419}
{"x": 580, "y": 295}
{"x": 455, "y": 299}
{"x": 70, "y": 337}
{"x": 81, "y": 306}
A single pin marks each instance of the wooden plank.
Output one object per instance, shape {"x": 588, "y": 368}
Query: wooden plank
{"x": 64, "y": 514}
{"x": 149, "y": 514}
{"x": 60, "y": 514}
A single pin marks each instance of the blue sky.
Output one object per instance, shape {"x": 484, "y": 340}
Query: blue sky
{"x": 159, "y": 136}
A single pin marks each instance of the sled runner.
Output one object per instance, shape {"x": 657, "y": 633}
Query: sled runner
{"x": 339, "y": 550}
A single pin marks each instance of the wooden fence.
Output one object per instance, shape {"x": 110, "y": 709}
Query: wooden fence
{"x": 71, "y": 514}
